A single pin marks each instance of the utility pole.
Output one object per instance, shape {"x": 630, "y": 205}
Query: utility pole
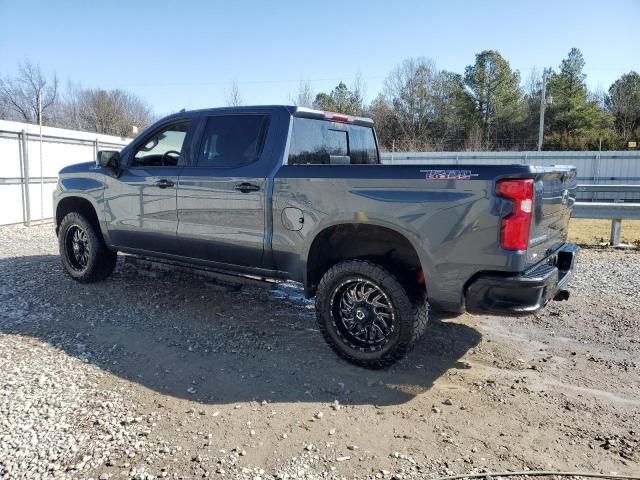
{"x": 41, "y": 171}
{"x": 543, "y": 103}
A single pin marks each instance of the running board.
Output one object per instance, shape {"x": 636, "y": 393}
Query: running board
{"x": 233, "y": 280}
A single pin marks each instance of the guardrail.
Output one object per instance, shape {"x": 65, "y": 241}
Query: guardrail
{"x": 618, "y": 188}
{"x": 616, "y": 211}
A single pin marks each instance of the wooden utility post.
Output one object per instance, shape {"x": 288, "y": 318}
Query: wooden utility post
{"x": 543, "y": 103}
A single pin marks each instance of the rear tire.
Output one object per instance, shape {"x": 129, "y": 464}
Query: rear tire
{"x": 366, "y": 315}
{"x": 85, "y": 257}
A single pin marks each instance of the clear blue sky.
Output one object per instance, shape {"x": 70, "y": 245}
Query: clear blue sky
{"x": 187, "y": 53}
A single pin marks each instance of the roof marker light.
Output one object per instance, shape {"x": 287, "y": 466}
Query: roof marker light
{"x": 338, "y": 117}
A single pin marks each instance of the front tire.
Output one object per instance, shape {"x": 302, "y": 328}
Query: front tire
{"x": 366, "y": 315}
{"x": 85, "y": 257}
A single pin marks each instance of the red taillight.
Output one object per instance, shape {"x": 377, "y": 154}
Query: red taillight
{"x": 514, "y": 234}
{"x": 338, "y": 117}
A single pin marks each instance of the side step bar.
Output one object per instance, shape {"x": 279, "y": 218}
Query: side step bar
{"x": 235, "y": 281}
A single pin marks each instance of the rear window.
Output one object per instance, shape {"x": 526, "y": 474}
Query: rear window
{"x": 232, "y": 140}
{"x": 321, "y": 142}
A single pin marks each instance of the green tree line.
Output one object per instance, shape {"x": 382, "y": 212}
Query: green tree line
{"x": 489, "y": 107}
{"x": 420, "y": 108}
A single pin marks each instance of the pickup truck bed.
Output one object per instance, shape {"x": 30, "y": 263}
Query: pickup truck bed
{"x": 304, "y": 198}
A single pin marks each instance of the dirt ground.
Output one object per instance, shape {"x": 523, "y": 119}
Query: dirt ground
{"x": 148, "y": 375}
{"x": 587, "y": 231}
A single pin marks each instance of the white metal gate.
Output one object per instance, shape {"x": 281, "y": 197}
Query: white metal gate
{"x": 25, "y": 188}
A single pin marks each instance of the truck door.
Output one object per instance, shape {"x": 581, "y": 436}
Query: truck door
{"x": 221, "y": 196}
{"x": 140, "y": 203}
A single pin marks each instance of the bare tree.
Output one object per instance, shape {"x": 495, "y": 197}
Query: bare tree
{"x": 111, "y": 112}
{"x": 623, "y": 102}
{"x": 359, "y": 90}
{"x": 29, "y": 94}
{"x": 386, "y": 121}
{"x": 533, "y": 83}
{"x": 5, "y": 113}
{"x": 599, "y": 96}
{"x": 234, "y": 99}
{"x": 473, "y": 142}
{"x": 69, "y": 107}
{"x": 410, "y": 90}
{"x": 303, "y": 97}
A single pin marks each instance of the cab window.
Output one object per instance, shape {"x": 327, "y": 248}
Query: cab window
{"x": 232, "y": 140}
{"x": 163, "y": 148}
{"x": 321, "y": 142}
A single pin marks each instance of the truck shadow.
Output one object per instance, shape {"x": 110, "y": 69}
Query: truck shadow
{"x": 181, "y": 337}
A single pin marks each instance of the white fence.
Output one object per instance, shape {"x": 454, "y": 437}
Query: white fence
{"x": 25, "y": 190}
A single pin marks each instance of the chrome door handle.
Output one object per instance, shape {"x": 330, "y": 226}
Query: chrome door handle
{"x": 247, "y": 187}
{"x": 164, "y": 183}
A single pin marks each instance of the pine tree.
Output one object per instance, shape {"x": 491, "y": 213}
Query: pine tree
{"x": 497, "y": 98}
{"x": 341, "y": 100}
{"x": 574, "y": 121}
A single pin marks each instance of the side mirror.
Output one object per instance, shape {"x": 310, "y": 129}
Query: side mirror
{"x": 109, "y": 159}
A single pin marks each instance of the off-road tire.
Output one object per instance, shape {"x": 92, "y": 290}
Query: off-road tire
{"x": 409, "y": 325}
{"x": 100, "y": 261}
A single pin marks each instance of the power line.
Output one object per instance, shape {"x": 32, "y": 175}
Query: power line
{"x": 246, "y": 82}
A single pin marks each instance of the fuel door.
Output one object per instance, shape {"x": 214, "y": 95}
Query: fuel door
{"x": 292, "y": 218}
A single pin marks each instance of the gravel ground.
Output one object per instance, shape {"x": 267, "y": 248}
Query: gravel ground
{"x": 150, "y": 375}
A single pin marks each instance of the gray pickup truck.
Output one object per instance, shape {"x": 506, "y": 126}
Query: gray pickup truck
{"x": 282, "y": 192}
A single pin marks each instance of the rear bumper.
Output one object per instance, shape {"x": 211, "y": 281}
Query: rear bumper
{"x": 526, "y": 292}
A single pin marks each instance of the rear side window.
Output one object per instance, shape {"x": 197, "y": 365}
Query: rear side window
{"x": 232, "y": 140}
{"x": 321, "y": 142}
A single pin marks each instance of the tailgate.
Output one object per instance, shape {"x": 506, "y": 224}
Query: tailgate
{"x": 555, "y": 193}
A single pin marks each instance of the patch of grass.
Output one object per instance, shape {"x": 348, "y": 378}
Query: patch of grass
{"x": 589, "y": 231}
